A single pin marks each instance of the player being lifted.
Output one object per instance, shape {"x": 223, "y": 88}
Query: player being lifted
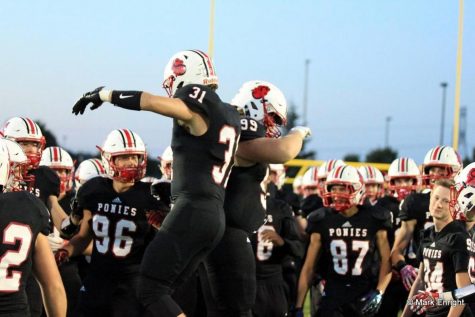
{"x": 231, "y": 265}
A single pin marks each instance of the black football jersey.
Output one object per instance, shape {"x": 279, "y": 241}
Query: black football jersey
{"x": 46, "y": 183}
{"x": 269, "y": 257}
{"x": 22, "y": 217}
{"x": 289, "y": 197}
{"x": 348, "y": 243}
{"x": 416, "y": 206}
{"x": 65, "y": 202}
{"x": 471, "y": 252}
{"x": 309, "y": 204}
{"x": 391, "y": 204}
{"x": 202, "y": 164}
{"x": 243, "y": 203}
{"x": 444, "y": 254}
{"x": 119, "y": 226}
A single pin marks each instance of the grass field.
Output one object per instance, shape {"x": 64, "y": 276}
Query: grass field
{"x": 306, "y": 307}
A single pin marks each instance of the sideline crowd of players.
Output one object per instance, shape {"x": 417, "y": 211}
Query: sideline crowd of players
{"x": 217, "y": 235}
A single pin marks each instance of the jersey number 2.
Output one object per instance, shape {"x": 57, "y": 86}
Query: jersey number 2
{"x": 14, "y": 232}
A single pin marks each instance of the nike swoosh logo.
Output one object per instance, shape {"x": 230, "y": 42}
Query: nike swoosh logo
{"x": 124, "y": 96}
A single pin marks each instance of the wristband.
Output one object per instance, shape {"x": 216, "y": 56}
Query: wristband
{"x": 126, "y": 99}
{"x": 68, "y": 228}
{"x": 399, "y": 265}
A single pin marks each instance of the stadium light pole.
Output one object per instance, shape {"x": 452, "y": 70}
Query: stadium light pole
{"x": 305, "y": 93}
{"x": 386, "y": 136}
{"x": 458, "y": 79}
{"x": 442, "y": 119}
{"x": 211, "y": 30}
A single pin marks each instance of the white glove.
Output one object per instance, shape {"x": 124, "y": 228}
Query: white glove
{"x": 55, "y": 242}
{"x": 304, "y": 131}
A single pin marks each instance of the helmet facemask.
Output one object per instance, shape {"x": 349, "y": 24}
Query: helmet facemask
{"x": 33, "y": 158}
{"x": 125, "y": 174}
{"x": 402, "y": 191}
{"x": 340, "y": 201}
{"x": 429, "y": 179}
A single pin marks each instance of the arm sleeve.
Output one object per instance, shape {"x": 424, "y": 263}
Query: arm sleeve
{"x": 405, "y": 209}
{"x": 460, "y": 256}
{"x": 52, "y": 182}
{"x": 315, "y": 221}
{"x": 44, "y": 218}
{"x": 289, "y": 232}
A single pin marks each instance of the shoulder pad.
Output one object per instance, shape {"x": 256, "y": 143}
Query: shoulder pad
{"x": 284, "y": 208}
{"x": 92, "y": 185}
{"x": 317, "y": 215}
{"x": 198, "y": 98}
{"x": 251, "y": 129}
{"x": 380, "y": 213}
{"x": 48, "y": 174}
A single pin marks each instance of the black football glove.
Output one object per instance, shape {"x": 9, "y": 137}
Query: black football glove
{"x": 89, "y": 97}
{"x": 76, "y": 210}
{"x": 296, "y": 312}
{"x": 370, "y": 303}
{"x": 162, "y": 190}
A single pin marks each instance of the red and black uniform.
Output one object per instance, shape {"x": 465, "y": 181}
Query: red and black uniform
{"x": 348, "y": 244}
{"x": 70, "y": 270}
{"x": 22, "y": 218}
{"x": 444, "y": 254}
{"x": 120, "y": 235}
{"x": 43, "y": 182}
{"x": 231, "y": 266}
{"x": 395, "y": 296}
{"x": 271, "y": 299}
{"x": 416, "y": 207}
{"x": 196, "y": 222}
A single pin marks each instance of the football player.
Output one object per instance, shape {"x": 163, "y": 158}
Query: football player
{"x": 275, "y": 240}
{"x": 443, "y": 253}
{"x": 204, "y": 140}
{"x": 441, "y": 162}
{"x": 374, "y": 183}
{"x": 166, "y": 160}
{"x": 41, "y": 181}
{"x": 403, "y": 179}
{"x": 114, "y": 209}
{"x": 323, "y": 172}
{"x": 231, "y": 265}
{"x": 24, "y": 224}
{"x": 86, "y": 170}
{"x": 346, "y": 234}
{"x": 61, "y": 162}
{"x": 462, "y": 202}
{"x": 187, "y": 295}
